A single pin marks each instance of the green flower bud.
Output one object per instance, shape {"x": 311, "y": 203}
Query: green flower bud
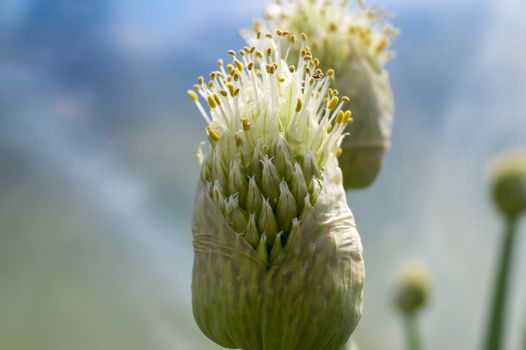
{"x": 270, "y": 180}
{"x": 508, "y": 183}
{"x": 354, "y": 44}
{"x": 287, "y": 209}
{"x": 413, "y": 290}
{"x": 237, "y": 183}
{"x": 278, "y": 260}
{"x": 254, "y": 196}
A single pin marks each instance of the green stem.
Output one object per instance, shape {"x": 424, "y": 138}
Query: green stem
{"x": 497, "y": 316}
{"x": 412, "y": 333}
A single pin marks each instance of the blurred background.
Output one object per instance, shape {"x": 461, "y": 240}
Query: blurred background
{"x": 98, "y": 168}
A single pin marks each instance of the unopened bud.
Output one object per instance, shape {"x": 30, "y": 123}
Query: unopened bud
{"x": 413, "y": 289}
{"x": 508, "y": 183}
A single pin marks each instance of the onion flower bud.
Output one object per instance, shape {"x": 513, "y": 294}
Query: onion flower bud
{"x": 278, "y": 260}
{"x": 413, "y": 290}
{"x": 354, "y": 45}
{"x": 508, "y": 177}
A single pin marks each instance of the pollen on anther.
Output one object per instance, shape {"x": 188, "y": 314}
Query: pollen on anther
{"x": 211, "y": 101}
{"x": 238, "y": 64}
{"x": 238, "y": 138}
{"x": 212, "y": 134}
{"x": 299, "y": 104}
{"x": 332, "y": 103}
{"x": 246, "y": 124}
{"x": 217, "y": 99}
{"x": 192, "y": 95}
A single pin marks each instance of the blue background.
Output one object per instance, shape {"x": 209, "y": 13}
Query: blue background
{"x": 98, "y": 168}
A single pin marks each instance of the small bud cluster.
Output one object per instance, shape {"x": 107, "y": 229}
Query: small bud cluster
{"x": 271, "y": 128}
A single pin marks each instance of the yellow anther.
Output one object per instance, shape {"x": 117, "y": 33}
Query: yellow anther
{"x": 236, "y": 92}
{"x": 340, "y": 117}
{"x": 231, "y": 52}
{"x": 211, "y": 84}
{"x": 292, "y": 69}
{"x": 304, "y": 36}
{"x": 220, "y": 62}
{"x": 269, "y": 51}
{"x": 381, "y": 46}
{"x": 332, "y": 103}
{"x": 268, "y": 35}
{"x": 230, "y": 68}
{"x": 241, "y": 53}
{"x": 299, "y": 104}
{"x": 345, "y": 99}
{"x": 192, "y": 95}
{"x": 339, "y": 151}
{"x": 238, "y": 64}
{"x": 333, "y": 27}
{"x": 347, "y": 118}
{"x": 292, "y": 38}
{"x": 259, "y": 54}
{"x": 316, "y": 62}
{"x": 281, "y": 79}
{"x": 238, "y": 138}
{"x": 196, "y": 86}
{"x": 231, "y": 88}
{"x": 246, "y": 124}
{"x": 259, "y": 35}
{"x": 223, "y": 92}
{"x": 212, "y": 134}
{"x": 257, "y": 26}
{"x": 235, "y": 76}
{"x": 330, "y": 72}
{"x": 217, "y": 99}
{"x": 201, "y": 80}
{"x": 211, "y": 101}
{"x": 250, "y": 66}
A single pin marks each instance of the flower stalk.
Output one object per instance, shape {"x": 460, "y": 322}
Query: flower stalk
{"x": 508, "y": 190}
{"x": 495, "y": 332}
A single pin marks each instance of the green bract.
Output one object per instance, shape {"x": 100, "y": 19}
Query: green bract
{"x": 278, "y": 260}
{"x": 355, "y": 45}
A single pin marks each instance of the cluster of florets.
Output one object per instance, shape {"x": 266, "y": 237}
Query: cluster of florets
{"x": 271, "y": 128}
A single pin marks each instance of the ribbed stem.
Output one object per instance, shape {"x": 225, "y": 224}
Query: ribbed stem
{"x": 412, "y": 332}
{"x": 497, "y": 312}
